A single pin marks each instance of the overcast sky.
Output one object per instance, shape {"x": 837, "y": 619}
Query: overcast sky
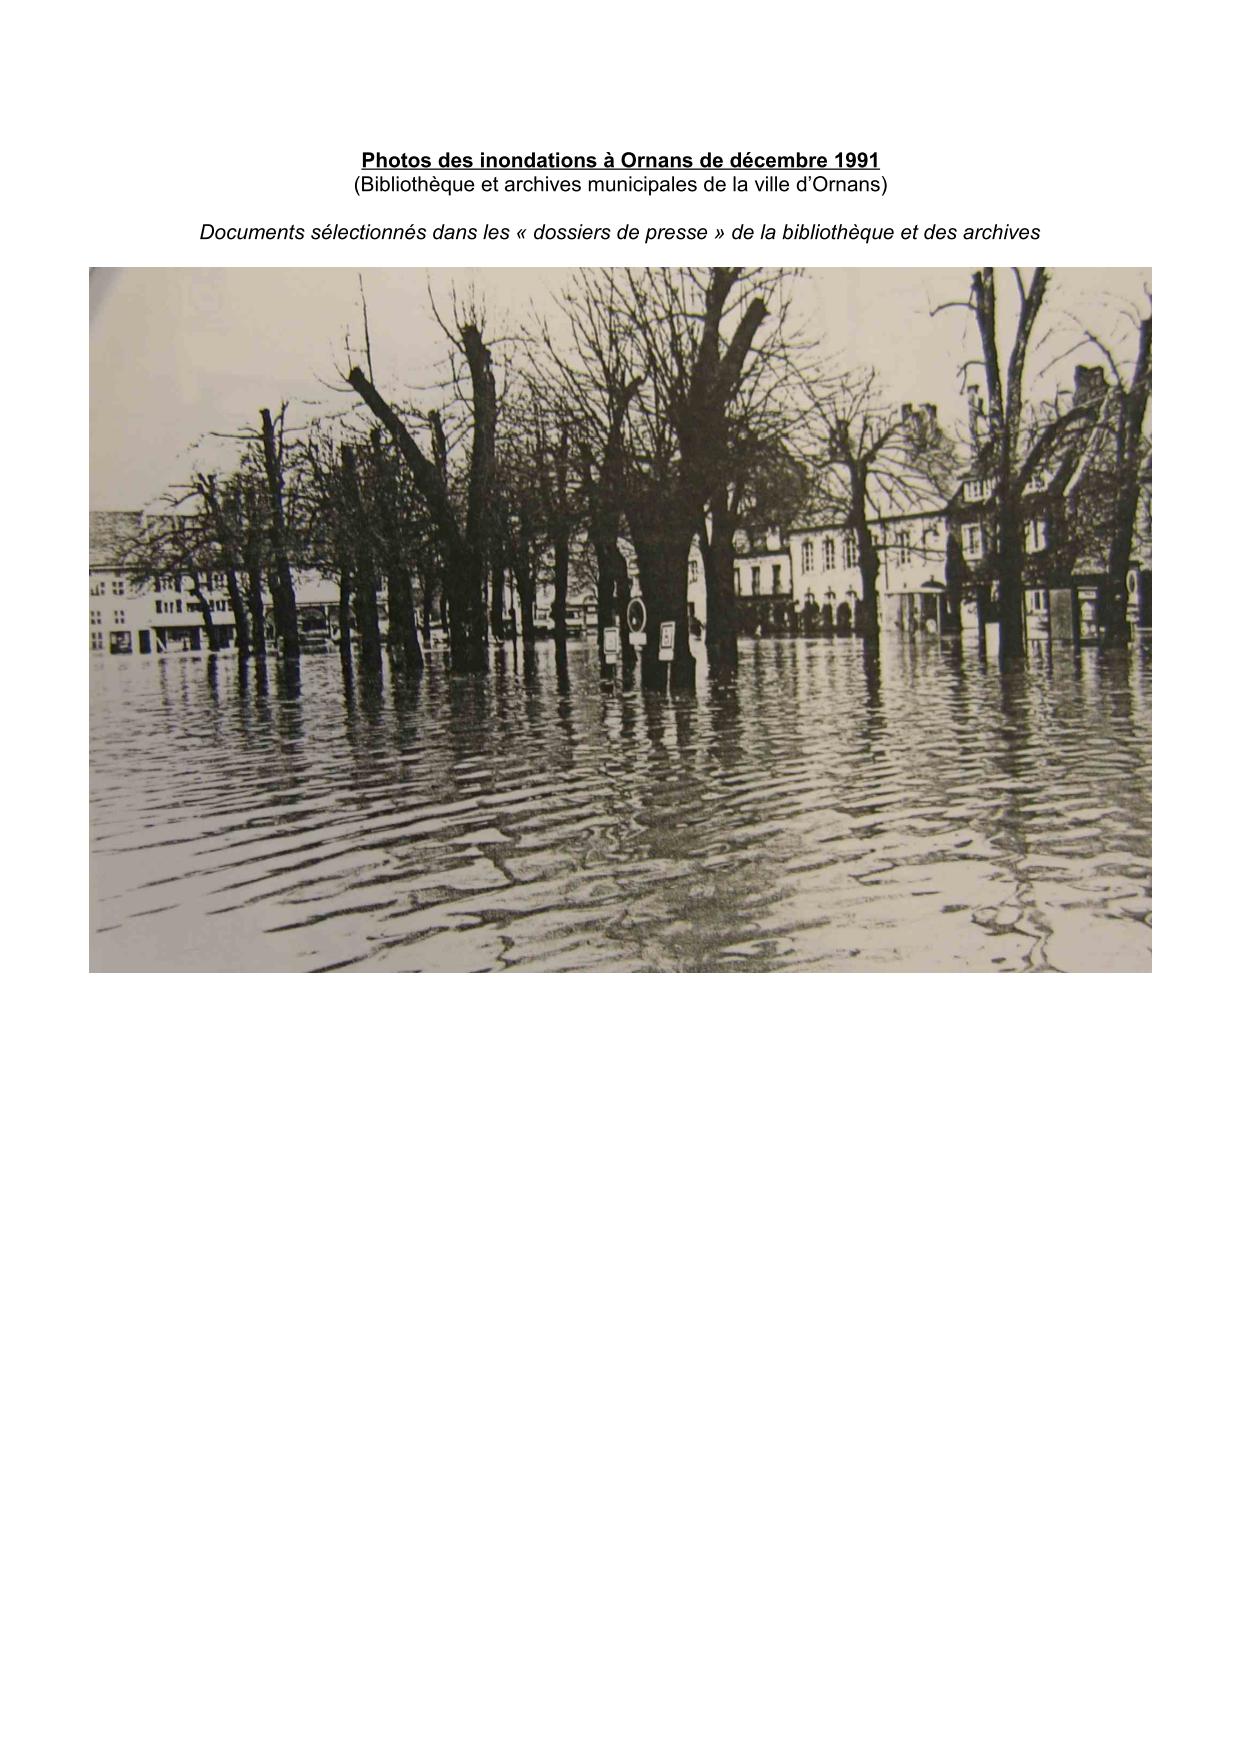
{"x": 177, "y": 353}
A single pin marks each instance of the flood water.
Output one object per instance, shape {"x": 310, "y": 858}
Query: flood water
{"x": 819, "y": 813}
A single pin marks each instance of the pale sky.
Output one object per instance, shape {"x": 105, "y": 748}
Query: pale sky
{"x": 177, "y": 353}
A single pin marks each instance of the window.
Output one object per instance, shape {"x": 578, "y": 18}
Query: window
{"x": 828, "y": 554}
{"x": 693, "y": 571}
{"x": 755, "y": 579}
{"x": 118, "y": 617}
{"x": 850, "y": 549}
{"x": 96, "y": 617}
{"x": 974, "y": 490}
{"x": 96, "y": 642}
{"x": 776, "y": 575}
{"x": 972, "y": 539}
{"x": 1035, "y": 534}
{"x": 118, "y": 587}
{"x": 904, "y": 547}
{"x": 807, "y": 557}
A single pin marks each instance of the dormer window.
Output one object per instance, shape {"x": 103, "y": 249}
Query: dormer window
{"x": 975, "y": 490}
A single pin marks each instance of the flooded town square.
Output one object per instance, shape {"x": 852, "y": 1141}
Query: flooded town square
{"x": 818, "y": 812}
{"x": 660, "y": 620}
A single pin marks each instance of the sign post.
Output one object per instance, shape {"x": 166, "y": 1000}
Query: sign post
{"x": 667, "y": 641}
{"x": 635, "y": 615}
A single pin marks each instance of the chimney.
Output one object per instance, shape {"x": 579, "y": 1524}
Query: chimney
{"x": 1090, "y": 384}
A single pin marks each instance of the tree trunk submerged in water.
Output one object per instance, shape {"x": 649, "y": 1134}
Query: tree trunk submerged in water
{"x": 402, "y": 614}
{"x": 283, "y": 591}
{"x": 1133, "y": 403}
{"x": 663, "y": 568}
{"x": 464, "y": 548}
{"x": 204, "y": 609}
{"x": 365, "y": 574}
{"x": 719, "y": 562}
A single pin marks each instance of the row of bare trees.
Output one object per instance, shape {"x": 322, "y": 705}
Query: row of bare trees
{"x": 1020, "y": 439}
{"x": 644, "y": 412}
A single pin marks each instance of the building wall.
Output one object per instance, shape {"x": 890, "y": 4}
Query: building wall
{"x": 134, "y": 620}
{"x": 912, "y": 557}
{"x": 764, "y": 573}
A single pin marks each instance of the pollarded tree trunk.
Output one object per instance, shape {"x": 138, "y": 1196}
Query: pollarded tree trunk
{"x": 467, "y": 621}
{"x": 497, "y": 598}
{"x": 346, "y": 617}
{"x": 402, "y": 615}
{"x": 1004, "y": 413}
{"x": 559, "y": 599}
{"x": 954, "y": 575}
{"x": 561, "y": 522}
{"x": 430, "y": 589}
{"x": 663, "y": 569}
{"x": 1133, "y": 403}
{"x": 606, "y": 589}
{"x": 528, "y": 630}
{"x": 204, "y": 607}
{"x": 464, "y": 548}
{"x": 365, "y": 574}
{"x": 258, "y": 610}
{"x": 283, "y": 591}
{"x": 858, "y": 521}
{"x": 613, "y": 592}
{"x": 252, "y": 558}
{"x": 241, "y": 620}
{"x": 224, "y": 532}
{"x": 524, "y": 565}
{"x": 868, "y": 561}
{"x": 1009, "y": 576}
{"x": 718, "y": 559}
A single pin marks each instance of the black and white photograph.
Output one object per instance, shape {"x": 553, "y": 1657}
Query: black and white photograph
{"x": 679, "y": 620}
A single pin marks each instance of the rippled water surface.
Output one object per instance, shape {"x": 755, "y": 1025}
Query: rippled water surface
{"x": 821, "y": 813}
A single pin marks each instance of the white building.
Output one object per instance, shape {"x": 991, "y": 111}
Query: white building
{"x": 912, "y": 553}
{"x": 149, "y": 617}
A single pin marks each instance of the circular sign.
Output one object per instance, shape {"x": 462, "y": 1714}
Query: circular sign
{"x": 635, "y": 614}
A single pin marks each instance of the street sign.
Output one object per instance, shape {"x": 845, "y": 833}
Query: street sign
{"x": 667, "y": 641}
{"x": 635, "y": 614}
{"x": 611, "y": 644}
{"x": 637, "y": 641}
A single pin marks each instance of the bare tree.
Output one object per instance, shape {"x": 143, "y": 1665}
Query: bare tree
{"x": 661, "y": 358}
{"x": 283, "y": 589}
{"x": 220, "y": 509}
{"x": 1114, "y": 493}
{"x": 465, "y": 523}
{"x": 875, "y": 461}
{"x": 1013, "y": 449}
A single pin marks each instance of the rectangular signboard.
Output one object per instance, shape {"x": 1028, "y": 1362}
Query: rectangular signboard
{"x": 667, "y": 641}
{"x": 611, "y": 644}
